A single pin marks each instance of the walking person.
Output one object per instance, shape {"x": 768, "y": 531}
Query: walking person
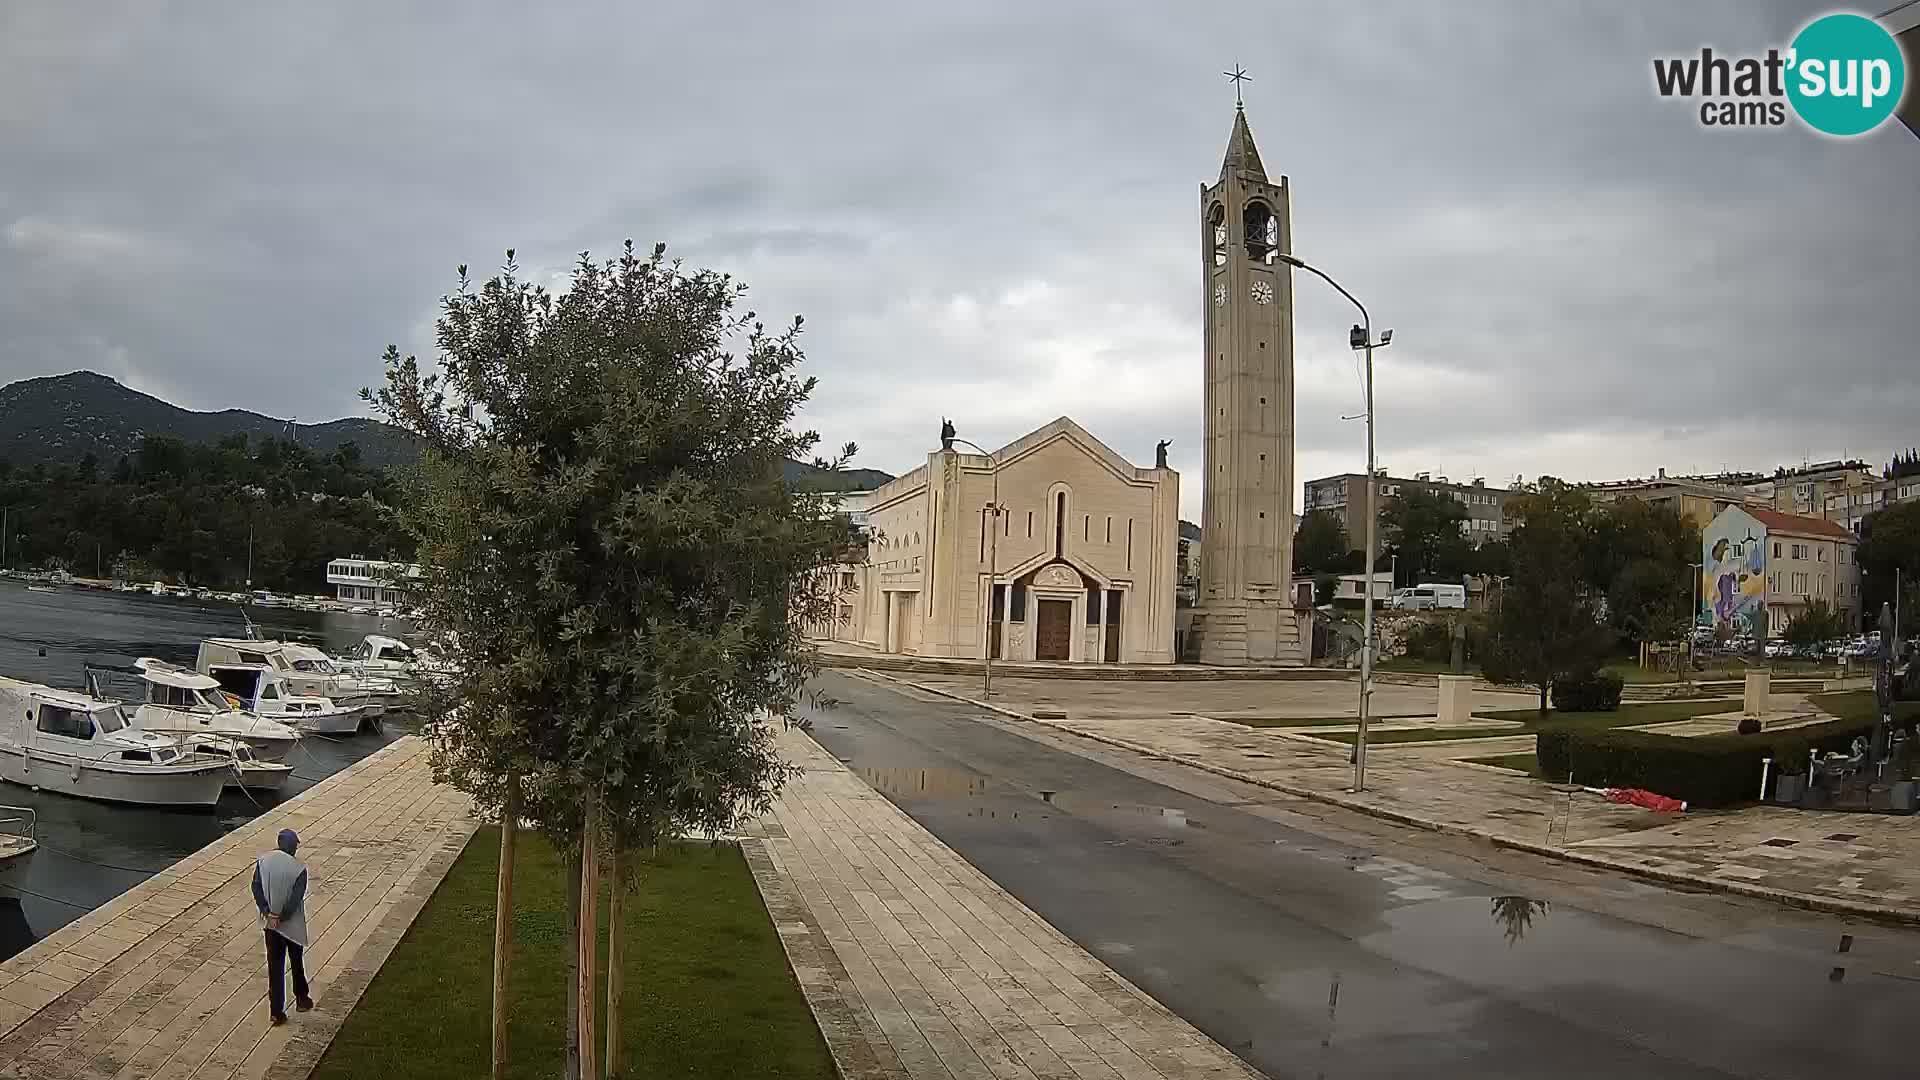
{"x": 280, "y": 892}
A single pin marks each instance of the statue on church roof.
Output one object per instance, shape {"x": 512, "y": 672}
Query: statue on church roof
{"x": 1160, "y": 453}
{"x": 946, "y": 434}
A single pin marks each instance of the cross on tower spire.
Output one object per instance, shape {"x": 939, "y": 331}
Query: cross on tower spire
{"x": 1238, "y": 75}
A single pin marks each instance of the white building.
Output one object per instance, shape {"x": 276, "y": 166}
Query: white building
{"x": 1080, "y": 568}
{"x": 372, "y": 581}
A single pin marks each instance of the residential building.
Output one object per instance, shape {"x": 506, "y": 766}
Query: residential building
{"x": 1345, "y": 495}
{"x": 372, "y": 581}
{"x": 1696, "y": 498}
{"x": 1762, "y": 567}
{"x": 1805, "y": 490}
{"x": 1082, "y": 568}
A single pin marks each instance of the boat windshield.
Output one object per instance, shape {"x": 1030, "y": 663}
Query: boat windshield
{"x": 109, "y": 719}
{"x": 314, "y": 667}
{"x": 217, "y": 700}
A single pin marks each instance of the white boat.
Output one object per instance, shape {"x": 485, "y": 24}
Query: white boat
{"x": 314, "y": 672}
{"x": 245, "y": 770}
{"x": 263, "y": 691}
{"x": 380, "y": 656}
{"x": 19, "y": 836}
{"x": 316, "y": 678}
{"x": 183, "y": 702}
{"x": 66, "y": 742}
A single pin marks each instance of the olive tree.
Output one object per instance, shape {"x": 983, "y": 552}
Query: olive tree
{"x": 617, "y": 572}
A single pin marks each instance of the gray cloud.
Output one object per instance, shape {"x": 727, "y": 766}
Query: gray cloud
{"x": 985, "y": 212}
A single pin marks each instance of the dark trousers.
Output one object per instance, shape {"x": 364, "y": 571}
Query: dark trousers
{"x": 277, "y": 949}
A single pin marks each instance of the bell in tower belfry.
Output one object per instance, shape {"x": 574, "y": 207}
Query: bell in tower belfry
{"x": 1245, "y": 615}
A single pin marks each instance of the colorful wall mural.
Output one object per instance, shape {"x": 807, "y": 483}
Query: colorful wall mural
{"x": 1734, "y": 573}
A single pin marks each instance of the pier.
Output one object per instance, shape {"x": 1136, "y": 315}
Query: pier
{"x": 168, "y": 980}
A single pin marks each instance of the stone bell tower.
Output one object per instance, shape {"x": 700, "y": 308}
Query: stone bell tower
{"x": 1245, "y": 614}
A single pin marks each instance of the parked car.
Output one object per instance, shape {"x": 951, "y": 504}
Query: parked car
{"x": 1429, "y": 597}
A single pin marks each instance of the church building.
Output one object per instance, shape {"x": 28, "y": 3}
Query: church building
{"x": 1054, "y": 547}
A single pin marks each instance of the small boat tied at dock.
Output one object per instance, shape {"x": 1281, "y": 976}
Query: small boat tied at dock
{"x": 67, "y": 742}
{"x": 263, "y": 690}
{"x": 179, "y": 701}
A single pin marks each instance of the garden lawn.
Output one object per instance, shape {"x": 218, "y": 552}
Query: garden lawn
{"x": 1859, "y": 705}
{"x": 1652, "y": 712}
{"x": 708, "y": 992}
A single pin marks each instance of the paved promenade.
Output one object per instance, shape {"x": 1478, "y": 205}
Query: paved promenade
{"x": 168, "y": 981}
{"x": 1861, "y": 864}
{"x": 917, "y": 965}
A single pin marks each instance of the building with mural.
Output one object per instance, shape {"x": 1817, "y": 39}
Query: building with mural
{"x": 1760, "y": 568}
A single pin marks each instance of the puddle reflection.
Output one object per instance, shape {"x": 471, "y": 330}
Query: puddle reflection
{"x": 1515, "y": 914}
{"x": 903, "y": 781}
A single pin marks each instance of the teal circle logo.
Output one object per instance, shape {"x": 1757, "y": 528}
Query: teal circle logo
{"x": 1847, "y": 74}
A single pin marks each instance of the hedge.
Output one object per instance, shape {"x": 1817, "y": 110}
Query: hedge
{"x": 1597, "y": 691}
{"x": 1711, "y": 770}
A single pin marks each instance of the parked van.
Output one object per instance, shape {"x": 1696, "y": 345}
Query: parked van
{"x": 1430, "y": 597}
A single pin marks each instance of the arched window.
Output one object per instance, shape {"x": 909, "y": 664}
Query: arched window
{"x": 1263, "y": 232}
{"x": 1217, "y": 224}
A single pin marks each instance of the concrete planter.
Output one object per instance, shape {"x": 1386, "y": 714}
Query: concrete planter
{"x": 1787, "y": 790}
{"x": 1905, "y": 797}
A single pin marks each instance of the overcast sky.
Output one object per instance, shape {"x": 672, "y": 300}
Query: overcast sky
{"x": 985, "y": 211}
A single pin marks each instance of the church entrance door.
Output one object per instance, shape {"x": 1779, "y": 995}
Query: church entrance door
{"x": 1053, "y": 631}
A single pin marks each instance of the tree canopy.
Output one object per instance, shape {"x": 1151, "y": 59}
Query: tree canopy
{"x": 1816, "y": 623}
{"x": 1545, "y": 625}
{"x": 622, "y": 571}
{"x": 1321, "y": 545}
{"x": 184, "y": 511}
{"x": 1422, "y": 527}
{"x": 1890, "y": 550}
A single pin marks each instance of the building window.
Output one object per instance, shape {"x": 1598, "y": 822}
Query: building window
{"x": 1093, "y": 605}
{"x": 1776, "y": 549}
{"x": 1018, "y": 613}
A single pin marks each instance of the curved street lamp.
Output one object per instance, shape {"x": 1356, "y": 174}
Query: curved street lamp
{"x": 1361, "y": 337}
{"x": 993, "y": 569}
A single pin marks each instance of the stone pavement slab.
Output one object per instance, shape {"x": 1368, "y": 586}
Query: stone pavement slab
{"x": 1856, "y": 864}
{"x": 168, "y": 980}
{"x": 917, "y": 965}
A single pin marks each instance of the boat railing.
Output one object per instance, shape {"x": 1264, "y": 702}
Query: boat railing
{"x": 19, "y": 821}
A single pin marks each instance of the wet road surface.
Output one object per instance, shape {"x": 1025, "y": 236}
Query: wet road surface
{"x": 1313, "y": 956}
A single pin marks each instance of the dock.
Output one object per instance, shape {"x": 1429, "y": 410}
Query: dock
{"x": 168, "y": 980}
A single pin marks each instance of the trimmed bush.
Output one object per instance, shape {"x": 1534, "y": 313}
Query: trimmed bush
{"x": 1712, "y": 770}
{"x": 1596, "y": 691}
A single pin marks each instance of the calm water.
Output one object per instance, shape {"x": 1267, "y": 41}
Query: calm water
{"x": 91, "y": 852}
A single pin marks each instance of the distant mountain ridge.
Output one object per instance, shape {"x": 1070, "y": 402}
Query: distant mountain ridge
{"x": 59, "y": 419}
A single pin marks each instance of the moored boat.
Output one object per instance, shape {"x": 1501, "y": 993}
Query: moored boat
{"x": 183, "y": 702}
{"x": 66, "y": 742}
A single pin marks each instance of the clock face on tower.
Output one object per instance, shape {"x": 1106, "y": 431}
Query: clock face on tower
{"x": 1262, "y": 292}
{"x": 1220, "y": 294}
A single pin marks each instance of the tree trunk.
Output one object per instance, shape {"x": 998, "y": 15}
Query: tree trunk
{"x": 616, "y": 950}
{"x": 503, "y": 925}
{"x": 573, "y": 981}
{"x": 588, "y": 941}
{"x": 572, "y": 1071}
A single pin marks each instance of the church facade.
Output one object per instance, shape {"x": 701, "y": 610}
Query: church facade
{"x": 1053, "y": 548}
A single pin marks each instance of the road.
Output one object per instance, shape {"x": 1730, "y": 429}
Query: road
{"x": 1317, "y": 943}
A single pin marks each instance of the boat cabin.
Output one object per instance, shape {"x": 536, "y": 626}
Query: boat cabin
{"x": 67, "y": 723}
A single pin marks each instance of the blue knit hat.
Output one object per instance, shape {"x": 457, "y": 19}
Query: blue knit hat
{"x": 289, "y": 840}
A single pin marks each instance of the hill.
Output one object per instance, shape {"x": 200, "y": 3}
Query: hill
{"x": 807, "y": 478}
{"x": 61, "y": 418}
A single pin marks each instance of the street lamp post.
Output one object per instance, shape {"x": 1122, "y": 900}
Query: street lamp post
{"x": 1361, "y": 338}
{"x": 993, "y": 570}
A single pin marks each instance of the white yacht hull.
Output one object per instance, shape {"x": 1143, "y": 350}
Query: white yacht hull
{"x": 195, "y": 784}
{"x": 264, "y": 747}
{"x": 332, "y": 722}
{"x": 260, "y": 776}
